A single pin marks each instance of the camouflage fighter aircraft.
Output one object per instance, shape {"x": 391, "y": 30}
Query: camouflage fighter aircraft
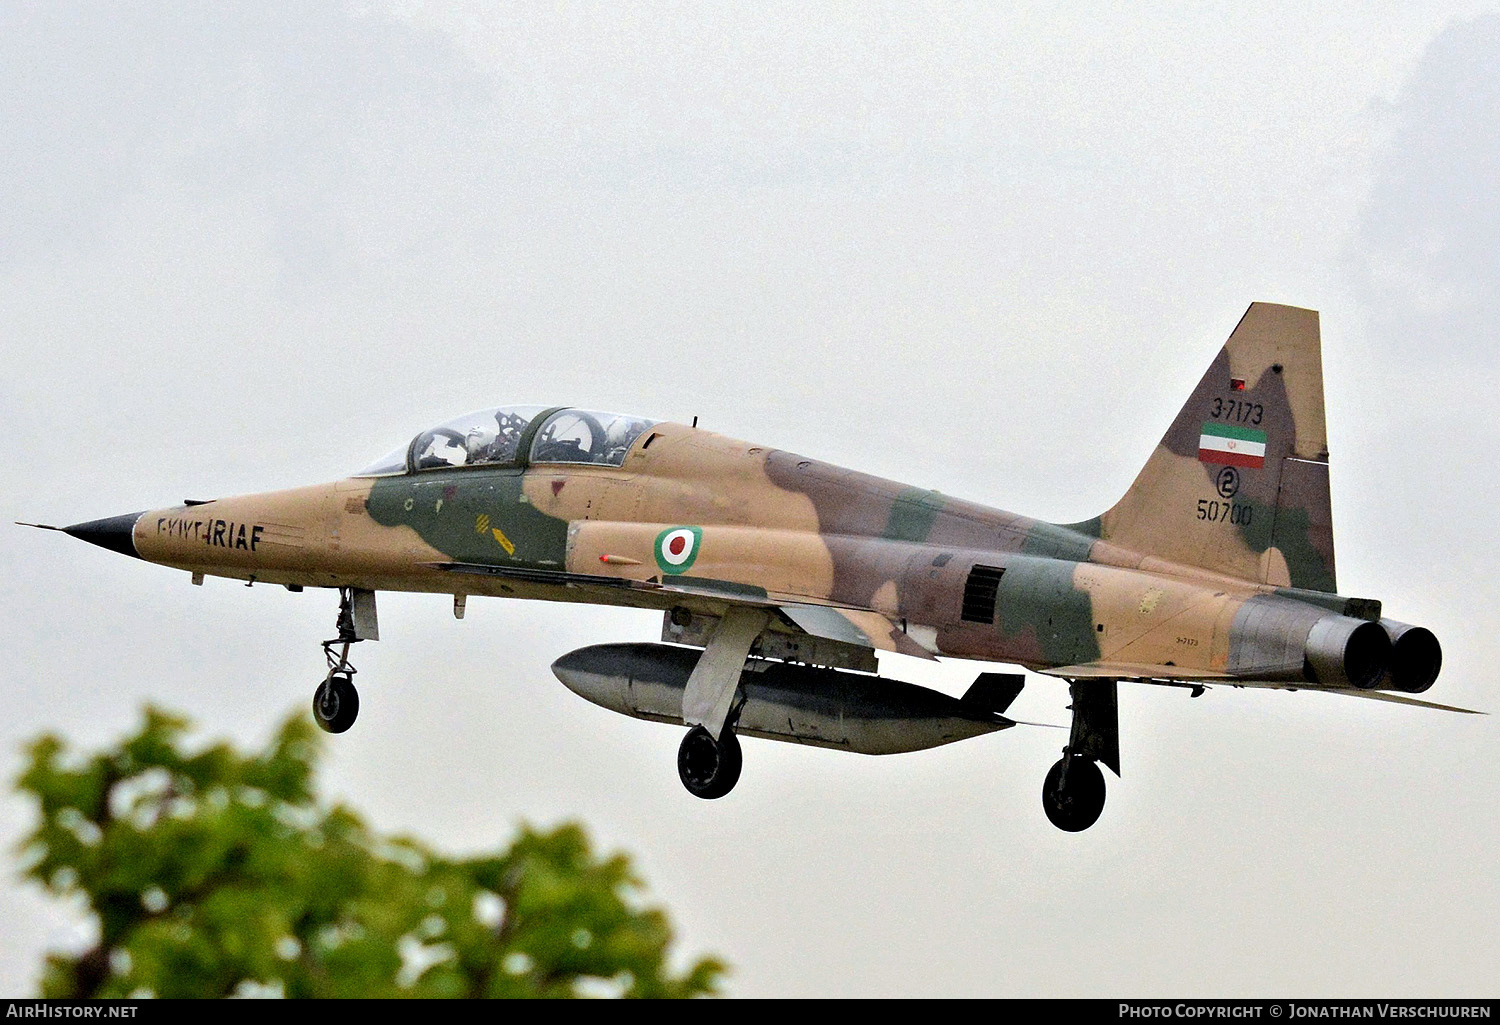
{"x": 1216, "y": 567}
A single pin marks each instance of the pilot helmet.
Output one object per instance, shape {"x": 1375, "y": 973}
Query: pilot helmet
{"x": 477, "y": 443}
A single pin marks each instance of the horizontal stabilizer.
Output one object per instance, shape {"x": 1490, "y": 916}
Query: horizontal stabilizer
{"x": 993, "y": 692}
{"x": 1372, "y": 695}
{"x": 1400, "y": 699}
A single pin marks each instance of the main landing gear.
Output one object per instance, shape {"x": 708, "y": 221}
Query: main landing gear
{"x": 1073, "y": 792}
{"x": 336, "y": 702}
{"x": 709, "y": 768}
{"x": 709, "y": 761}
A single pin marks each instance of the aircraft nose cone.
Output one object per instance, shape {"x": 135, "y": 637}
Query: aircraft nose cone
{"x": 117, "y": 533}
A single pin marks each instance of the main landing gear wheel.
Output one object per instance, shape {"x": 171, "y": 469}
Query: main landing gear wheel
{"x": 1073, "y": 793}
{"x": 335, "y": 704}
{"x": 709, "y": 768}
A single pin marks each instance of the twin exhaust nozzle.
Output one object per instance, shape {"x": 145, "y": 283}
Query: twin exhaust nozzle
{"x": 1346, "y": 652}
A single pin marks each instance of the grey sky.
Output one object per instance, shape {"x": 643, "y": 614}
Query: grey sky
{"x": 990, "y": 252}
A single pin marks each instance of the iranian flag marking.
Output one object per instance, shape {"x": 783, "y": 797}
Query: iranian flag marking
{"x": 1228, "y": 445}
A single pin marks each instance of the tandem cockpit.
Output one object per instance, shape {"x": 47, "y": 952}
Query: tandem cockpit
{"x": 517, "y": 436}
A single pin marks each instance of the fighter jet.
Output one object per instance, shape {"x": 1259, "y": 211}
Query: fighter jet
{"x": 779, "y": 577}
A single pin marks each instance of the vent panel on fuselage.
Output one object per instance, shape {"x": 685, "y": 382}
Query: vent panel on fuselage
{"x": 979, "y": 594}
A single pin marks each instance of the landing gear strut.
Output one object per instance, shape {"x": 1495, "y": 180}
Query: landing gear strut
{"x": 336, "y": 702}
{"x": 709, "y": 761}
{"x": 1073, "y": 792}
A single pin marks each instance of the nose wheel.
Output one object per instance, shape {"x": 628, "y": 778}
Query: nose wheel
{"x": 709, "y": 768}
{"x": 336, "y": 702}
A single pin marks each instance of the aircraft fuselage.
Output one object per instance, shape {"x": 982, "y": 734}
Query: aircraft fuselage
{"x": 764, "y": 524}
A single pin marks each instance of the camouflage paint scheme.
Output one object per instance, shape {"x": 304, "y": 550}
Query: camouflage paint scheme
{"x": 1196, "y": 574}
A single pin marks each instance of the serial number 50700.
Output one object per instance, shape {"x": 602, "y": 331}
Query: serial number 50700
{"x": 1224, "y": 512}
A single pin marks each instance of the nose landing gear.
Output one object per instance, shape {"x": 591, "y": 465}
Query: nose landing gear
{"x": 336, "y": 702}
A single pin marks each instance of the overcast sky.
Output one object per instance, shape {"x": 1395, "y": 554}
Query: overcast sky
{"x": 989, "y": 251}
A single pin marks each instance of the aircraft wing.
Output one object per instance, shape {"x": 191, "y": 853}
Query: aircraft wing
{"x": 1135, "y": 671}
{"x": 861, "y": 627}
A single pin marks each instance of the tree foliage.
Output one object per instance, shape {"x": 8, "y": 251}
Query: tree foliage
{"x": 214, "y": 873}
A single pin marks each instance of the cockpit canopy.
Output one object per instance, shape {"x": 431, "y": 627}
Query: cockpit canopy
{"x": 517, "y": 436}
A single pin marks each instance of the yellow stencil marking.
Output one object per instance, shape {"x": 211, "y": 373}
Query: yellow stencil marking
{"x": 481, "y": 524}
{"x": 505, "y": 542}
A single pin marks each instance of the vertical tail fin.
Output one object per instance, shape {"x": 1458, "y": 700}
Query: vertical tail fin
{"x": 1239, "y": 484}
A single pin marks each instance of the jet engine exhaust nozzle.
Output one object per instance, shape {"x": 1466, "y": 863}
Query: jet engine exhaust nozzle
{"x": 1416, "y": 657}
{"x": 1346, "y": 652}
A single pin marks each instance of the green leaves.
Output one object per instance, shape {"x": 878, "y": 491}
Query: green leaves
{"x": 217, "y": 873}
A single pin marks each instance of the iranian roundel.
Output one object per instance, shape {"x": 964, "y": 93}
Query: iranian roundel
{"x": 677, "y": 548}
